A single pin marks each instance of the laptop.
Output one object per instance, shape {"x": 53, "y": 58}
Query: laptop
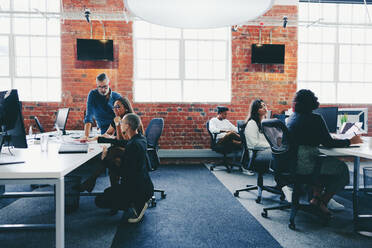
{"x": 73, "y": 148}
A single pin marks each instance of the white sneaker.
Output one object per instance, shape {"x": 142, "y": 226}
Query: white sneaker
{"x": 335, "y": 206}
{"x": 247, "y": 172}
{"x": 288, "y": 193}
{"x": 138, "y": 215}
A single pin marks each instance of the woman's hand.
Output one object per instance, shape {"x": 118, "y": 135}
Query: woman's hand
{"x": 356, "y": 140}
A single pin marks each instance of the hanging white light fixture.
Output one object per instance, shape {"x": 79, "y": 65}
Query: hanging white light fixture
{"x": 198, "y": 13}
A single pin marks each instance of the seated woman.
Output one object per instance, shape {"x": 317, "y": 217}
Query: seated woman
{"x": 255, "y": 138}
{"x": 122, "y": 106}
{"x": 307, "y": 132}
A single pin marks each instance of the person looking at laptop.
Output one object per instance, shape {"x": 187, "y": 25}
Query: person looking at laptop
{"x": 100, "y": 103}
{"x": 135, "y": 187}
{"x": 227, "y": 133}
{"x": 307, "y": 131}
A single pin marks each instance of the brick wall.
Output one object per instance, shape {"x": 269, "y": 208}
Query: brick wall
{"x": 184, "y": 123}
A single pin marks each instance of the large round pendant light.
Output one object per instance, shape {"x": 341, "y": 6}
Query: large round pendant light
{"x": 198, "y": 13}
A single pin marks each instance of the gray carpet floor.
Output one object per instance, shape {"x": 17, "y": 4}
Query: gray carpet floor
{"x": 198, "y": 212}
{"x": 311, "y": 232}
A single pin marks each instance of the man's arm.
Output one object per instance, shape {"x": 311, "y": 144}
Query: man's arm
{"x": 87, "y": 127}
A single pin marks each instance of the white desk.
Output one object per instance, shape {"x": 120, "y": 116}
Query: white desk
{"x": 46, "y": 168}
{"x": 364, "y": 151}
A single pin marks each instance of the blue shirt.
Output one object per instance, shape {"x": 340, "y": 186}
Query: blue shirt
{"x": 101, "y": 109}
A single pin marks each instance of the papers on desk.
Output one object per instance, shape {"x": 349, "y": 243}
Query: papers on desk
{"x": 9, "y": 159}
{"x": 349, "y": 130}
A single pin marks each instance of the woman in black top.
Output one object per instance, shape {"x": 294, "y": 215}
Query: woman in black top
{"x": 308, "y": 131}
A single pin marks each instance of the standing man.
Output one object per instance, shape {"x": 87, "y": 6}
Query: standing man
{"x": 227, "y": 133}
{"x": 100, "y": 103}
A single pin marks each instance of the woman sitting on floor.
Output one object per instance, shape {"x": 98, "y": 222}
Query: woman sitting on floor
{"x": 307, "y": 132}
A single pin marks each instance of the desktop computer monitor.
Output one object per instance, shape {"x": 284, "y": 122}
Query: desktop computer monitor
{"x": 12, "y": 128}
{"x": 61, "y": 119}
{"x": 329, "y": 115}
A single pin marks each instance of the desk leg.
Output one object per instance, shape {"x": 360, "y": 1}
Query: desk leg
{"x": 356, "y": 192}
{"x": 60, "y": 213}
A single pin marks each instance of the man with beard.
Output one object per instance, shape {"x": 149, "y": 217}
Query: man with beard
{"x": 100, "y": 105}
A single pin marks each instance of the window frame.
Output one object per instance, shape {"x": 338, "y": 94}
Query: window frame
{"x": 182, "y": 67}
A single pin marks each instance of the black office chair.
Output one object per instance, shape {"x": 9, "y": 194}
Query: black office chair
{"x": 249, "y": 156}
{"x": 153, "y": 133}
{"x": 285, "y": 165}
{"x": 224, "y": 150}
{"x": 38, "y": 124}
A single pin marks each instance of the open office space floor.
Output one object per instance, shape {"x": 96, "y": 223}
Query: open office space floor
{"x": 199, "y": 211}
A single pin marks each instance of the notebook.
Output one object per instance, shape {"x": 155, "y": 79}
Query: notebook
{"x": 73, "y": 148}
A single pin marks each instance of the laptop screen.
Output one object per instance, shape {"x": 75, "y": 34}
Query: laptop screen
{"x": 61, "y": 118}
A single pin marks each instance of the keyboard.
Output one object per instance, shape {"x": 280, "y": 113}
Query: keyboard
{"x": 9, "y": 159}
{"x": 73, "y": 148}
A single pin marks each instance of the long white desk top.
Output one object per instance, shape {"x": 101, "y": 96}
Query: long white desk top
{"x": 364, "y": 150}
{"x": 48, "y": 164}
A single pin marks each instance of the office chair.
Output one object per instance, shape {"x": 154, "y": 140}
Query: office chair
{"x": 153, "y": 133}
{"x": 249, "y": 156}
{"x": 285, "y": 165}
{"x": 38, "y": 124}
{"x": 224, "y": 150}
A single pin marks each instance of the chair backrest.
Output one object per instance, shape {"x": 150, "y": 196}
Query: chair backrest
{"x": 38, "y": 124}
{"x": 277, "y": 134}
{"x": 213, "y": 136}
{"x": 241, "y": 128}
{"x": 154, "y": 131}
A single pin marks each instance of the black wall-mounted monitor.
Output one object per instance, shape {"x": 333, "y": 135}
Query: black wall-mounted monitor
{"x": 88, "y": 49}
{"x": 268, "y": 54}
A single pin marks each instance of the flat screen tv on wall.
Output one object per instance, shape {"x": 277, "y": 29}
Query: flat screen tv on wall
{"x": 268, "y": 54}
{"x": 88, "y": 49}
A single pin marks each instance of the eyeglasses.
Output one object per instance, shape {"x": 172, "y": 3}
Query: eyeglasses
{"x": 102, "y": 87}
{"x": 116, "y": 107}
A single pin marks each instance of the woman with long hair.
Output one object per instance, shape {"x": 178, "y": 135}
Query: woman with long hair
{"x": 307, "y": 131}
{"x": 255, "y": 138}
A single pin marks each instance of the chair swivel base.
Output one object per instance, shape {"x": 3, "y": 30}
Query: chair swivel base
{"x": 304, "y": 207}
{"x": 163, "y": 195}
{"x": 228, "y": 165}
{"x": 270, "y": 189}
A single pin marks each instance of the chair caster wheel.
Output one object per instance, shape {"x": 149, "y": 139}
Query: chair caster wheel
{"x": 163, "y": 195}
{"x": 236, "y": 194}
{"x": 258, "y": 200}
{"x": 264, "y": 214}
{"x": 240, "y": 169}
{"x": 228, "y": 170}
{"x": 211, "y": 168}
{"x": 153, "y": 202}
{"x": 292, "y": 226}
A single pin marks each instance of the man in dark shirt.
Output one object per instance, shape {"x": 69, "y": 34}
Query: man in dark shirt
{"x": 100, "y": 103}
{"x": 135, "y": 187}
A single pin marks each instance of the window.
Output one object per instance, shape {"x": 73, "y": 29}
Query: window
{"x": 181, "y": 65}
{"x": 335, "y": 41}
{"x": 30, "y": 48}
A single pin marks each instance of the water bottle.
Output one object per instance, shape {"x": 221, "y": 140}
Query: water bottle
{"x": 30, "y": 131}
